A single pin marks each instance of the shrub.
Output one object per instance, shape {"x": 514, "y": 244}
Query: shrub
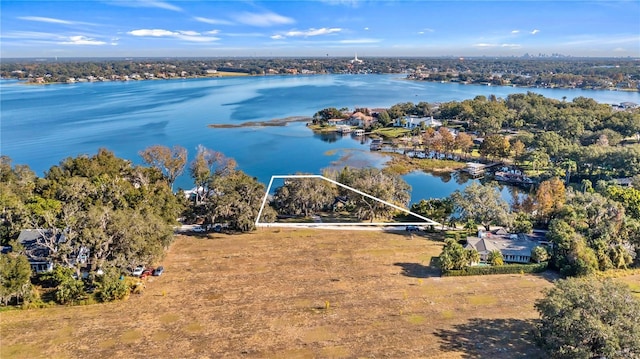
{"x": 504, "y": 269}
{"x": 111, "y": 286}
{"x": 68, "y": 289}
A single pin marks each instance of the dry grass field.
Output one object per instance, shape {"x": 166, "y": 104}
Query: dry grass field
{"x": 304, "y": 293}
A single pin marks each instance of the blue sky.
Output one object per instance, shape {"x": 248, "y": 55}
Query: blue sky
{"x": 117, "y": 28}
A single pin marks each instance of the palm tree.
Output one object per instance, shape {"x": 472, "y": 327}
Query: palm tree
{"x": 571, "y": 166}
{"x": 471, "y": 226}
{"x": 473, "y": 256}
{"x": 495, "y": 258}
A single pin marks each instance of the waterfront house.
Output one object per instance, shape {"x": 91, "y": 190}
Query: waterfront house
{"x": 628, "y": 105}
{"x": 411, "y": 122}
{"x": 359, "y": 119}
{"x": 38, "y": 245}
{"x": 514, "y": 248}
{"x": 337, "y": 122}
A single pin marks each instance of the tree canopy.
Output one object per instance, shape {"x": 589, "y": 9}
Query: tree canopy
{"x": 482, "y": 204}
{"x": 377, "y": 183}
{"x": 589, "y": 318}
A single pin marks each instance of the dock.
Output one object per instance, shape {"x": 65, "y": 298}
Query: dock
{"x": 343, "y": 129}
{"x": 475, "y": 169}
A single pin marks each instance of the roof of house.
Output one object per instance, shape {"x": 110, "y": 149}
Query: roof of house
{"x": 30, "y": 240}
{"x": 623, "y": 181}
{"x": 505, "y": 245}
{"x": 361, "y": 116}
{"x": 481, "y": 244}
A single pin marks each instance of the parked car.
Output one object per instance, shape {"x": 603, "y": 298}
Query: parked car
{"x": 147, "y": 272}
{"x": 412, "y": 228}
{"x": 137, "y": 271}
{"x": 199, "y": 229}
{"x": 158, "y": 271}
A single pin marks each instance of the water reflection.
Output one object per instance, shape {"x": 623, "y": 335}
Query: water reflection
{"x": 329, "y": 137}
{"x": 428, "y": 185}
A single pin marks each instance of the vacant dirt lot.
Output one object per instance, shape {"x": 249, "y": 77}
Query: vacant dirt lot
{"x": 293, "y": 294}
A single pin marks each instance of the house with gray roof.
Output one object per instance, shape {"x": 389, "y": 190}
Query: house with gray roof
{"x": 514, "y": 248}
{"x": 38, "y": 254}
{"x": 38, "y": 245}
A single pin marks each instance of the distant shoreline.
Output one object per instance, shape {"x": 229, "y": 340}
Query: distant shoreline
{"x": 223, "y": 74}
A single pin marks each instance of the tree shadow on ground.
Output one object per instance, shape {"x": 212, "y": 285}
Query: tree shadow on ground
{"x": 491, "y": 338}
{"x": 549, "y": 275}
{"x": 416, "y": 270}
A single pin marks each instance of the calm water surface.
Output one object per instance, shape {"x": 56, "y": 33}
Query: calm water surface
{"x": 41, "y": 125}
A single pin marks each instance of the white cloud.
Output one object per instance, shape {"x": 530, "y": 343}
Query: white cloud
{"x": 212, "y": 32}
{"x": 198, "y": 38}
{"x": 277, "y": 37}
{"x": 189, "y": 33}
{"x": 161, "y": 5}
{"x": 152, "y": 32}
{"x": 28, "y": 35}
{"x": 484, "y": 45}
{"x": 535, "y": 31}
{"x": 49, "y": 38}
{"x": 313, "y": 32}
{"x": 366, "y": 29}
{"x": 45, "y": 19}
{"x": 592, "y": 40}
{"x": 82, "y": 40}
{"x": 147, "y": 3}
{"x": 515, "y": 31}
{"x": 263, "y": 19}
{"x": 51, "y": 20}
{"x": 212, "y": 21}
{"x": 191, "y": 36}
{"x": 360, "y": 41}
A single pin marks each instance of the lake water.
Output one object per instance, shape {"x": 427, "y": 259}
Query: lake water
{"x": 41, "y": 125}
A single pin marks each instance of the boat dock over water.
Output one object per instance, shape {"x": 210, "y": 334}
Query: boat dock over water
{"x": 475, "y": 169}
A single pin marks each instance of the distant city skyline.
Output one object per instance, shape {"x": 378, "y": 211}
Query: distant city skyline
{"x": 335, "y": 28}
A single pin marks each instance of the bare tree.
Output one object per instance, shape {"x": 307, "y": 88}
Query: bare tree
{"x": 170, "y": 161}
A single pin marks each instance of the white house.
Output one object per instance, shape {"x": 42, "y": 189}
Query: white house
{"x": 411, "y": 122}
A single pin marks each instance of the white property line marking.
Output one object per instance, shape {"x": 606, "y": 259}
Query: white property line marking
{"x": 266, "y": 195}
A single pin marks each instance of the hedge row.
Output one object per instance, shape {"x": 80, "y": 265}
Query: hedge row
{"x": 504, "y": 269}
